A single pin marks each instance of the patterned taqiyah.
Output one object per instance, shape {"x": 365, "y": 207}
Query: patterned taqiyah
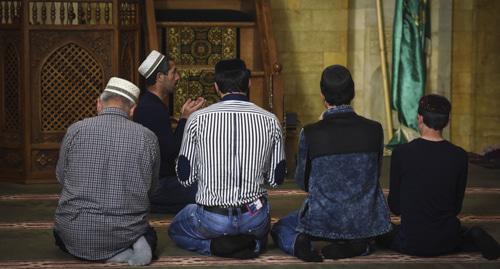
{"x": 152, "y": 62}
{"x": 124, "y": 88}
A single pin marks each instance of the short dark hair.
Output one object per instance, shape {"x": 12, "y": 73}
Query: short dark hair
{"x": 435, "y": 110}
{"x": 162, "y": 68}
{"x": 337, "y": 85}
{"x": 232, "y": 76}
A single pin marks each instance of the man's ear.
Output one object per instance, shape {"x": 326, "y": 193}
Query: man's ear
{"x": 420, "y": 119}
{"x": 131, "y": 111}
{"x": 99, "y": 106}
{"x": 217, "y": 89}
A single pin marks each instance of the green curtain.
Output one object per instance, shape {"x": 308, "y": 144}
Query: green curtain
{"x": 411, "y": 28}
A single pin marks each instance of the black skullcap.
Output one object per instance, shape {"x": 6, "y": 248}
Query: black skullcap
{"x": 435, "y": 104}
{"x": 230, "y": 65}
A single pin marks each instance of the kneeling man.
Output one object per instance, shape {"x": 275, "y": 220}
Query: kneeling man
{"x": 339, "y": 162}
{"x": 108, "y": 166}
{"x": 232, "y": 149}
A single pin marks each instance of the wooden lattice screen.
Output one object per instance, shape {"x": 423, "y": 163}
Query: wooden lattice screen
{"x": 11, "y": 90}
{"x": 71, "y": 80}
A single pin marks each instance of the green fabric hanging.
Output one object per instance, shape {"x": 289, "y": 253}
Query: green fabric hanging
{"x": 411, "y": 28}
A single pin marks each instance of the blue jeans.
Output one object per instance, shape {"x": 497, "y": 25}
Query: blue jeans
{"x": 284, "y": 233}
{"x": 194, "y": 227}
{"x": 171, "y": 196}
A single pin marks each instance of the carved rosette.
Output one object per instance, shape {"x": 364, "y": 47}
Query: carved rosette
{"x": 44, "y": 160}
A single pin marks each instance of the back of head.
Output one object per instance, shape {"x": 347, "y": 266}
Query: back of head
{"x": 435, "y": 110}
{"x": 337, "y": 85}
{"x": 153, "y": 64}
{"x": 121, "y": 92}
{"x": 232, "y": 76}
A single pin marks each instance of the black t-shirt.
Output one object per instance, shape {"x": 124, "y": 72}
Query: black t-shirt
{"x": 427, "y": 186}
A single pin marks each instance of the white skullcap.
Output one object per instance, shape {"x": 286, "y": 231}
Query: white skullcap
{"x": 151, "y": 63}
{"x": 124, "y": 88}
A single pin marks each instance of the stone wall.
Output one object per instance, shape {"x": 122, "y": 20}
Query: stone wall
{"x": 310, "y": 35}
{"x": 476, "y": 74}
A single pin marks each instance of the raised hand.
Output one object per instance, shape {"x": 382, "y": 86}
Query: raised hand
{"x": 191, "y": 106}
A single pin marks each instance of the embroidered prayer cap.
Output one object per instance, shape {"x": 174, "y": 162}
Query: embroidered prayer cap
{"x": 149, "y": 65}
{"x": 124, "y": 88}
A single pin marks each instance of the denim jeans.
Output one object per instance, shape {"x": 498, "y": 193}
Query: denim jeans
{"x": 284, "y": 233}
{"x": 171, "y": 196}
{"x": 194, "y": 227}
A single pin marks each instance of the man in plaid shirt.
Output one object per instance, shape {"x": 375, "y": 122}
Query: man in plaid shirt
{"x": 108, "y": 166}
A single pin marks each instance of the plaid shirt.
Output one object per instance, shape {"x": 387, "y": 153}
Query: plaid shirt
{"x": 107, "y": 166}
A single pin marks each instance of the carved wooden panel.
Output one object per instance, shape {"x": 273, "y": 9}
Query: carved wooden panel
{"x": 71, "y": 81}
{"x": 44, "y": 160}
{"x": 11, "y": 70}
{"x": 93, "y": 12}
{"x": 11, "y": 159}
{"x": 69, "y": 70}
{"x": 10, "y": 83}
{"x": 128, "y": 58}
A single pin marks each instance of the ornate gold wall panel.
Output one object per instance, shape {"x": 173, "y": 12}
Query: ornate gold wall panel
{"x": 195, "y": 51}
{"x": 201, "y": 45}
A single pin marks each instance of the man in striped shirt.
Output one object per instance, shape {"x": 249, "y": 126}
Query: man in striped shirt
{"x": 232, "y": 149}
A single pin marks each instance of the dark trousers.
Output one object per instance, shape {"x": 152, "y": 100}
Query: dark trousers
{"x": 150, "y": 237}
{"x": 171, "y": 196}
{"x": 468, "y": 236}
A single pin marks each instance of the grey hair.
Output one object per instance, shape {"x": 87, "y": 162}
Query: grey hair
{"x": 106, "y": 96}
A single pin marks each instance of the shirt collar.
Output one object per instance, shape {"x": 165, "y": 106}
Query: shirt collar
{"x": 338, "y": 109}
{"x": 114, "y": 111}
{"x": 235, "y": 96}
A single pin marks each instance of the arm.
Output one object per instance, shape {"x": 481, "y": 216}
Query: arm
{"x": 462, "y": 184}
{"x": 187, "y": 163}
{"x": 303, "y": 167}
{"x": 155, "y": 155}
{"x": 395, "y": 184}
{"x": 278, "y": 164}
{"x": 63, "y": 155}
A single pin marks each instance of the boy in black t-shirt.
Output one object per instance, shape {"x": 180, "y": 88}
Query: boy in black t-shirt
{"x": 427, "y": 185}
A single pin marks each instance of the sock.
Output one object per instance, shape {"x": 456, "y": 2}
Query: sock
{"x": 122, "y": 257}
{"x": 303, "y": 249}
{"x": 341, "y": 251}
{"x": 142, "y": 253}
{"x": 244, "y": 254}
{"x": 227, "y": 245}
{"x": 487, "y": 245}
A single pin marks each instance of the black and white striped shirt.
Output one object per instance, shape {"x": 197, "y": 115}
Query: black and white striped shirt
{"x": 232, "y": 148}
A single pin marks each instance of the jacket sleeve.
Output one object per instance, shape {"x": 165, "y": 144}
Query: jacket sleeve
{"x": 302, "y": 169}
